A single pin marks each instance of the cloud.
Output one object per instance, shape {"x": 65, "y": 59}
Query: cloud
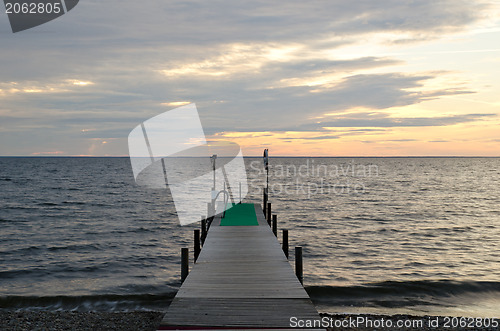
{"x": 421, "y": 20}
{"x": 383, "y": 120}
{"x": 311, "y": 138}
{"x": 249, "y": 66}
{"x": 247, "y": 102}
{"x": 291, "y": 108}
{"x": 201, "y": 22}
{"x": 48, "y": 153}
{"x": 117, "y": 34}
{"x": 401, "y": 140}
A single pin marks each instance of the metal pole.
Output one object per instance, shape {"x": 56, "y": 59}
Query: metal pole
{"x": 298, "y": 264}
{"x": 225, "y": 204}
{"x": 184, "y": 263}
{"x": 197, "y": 248}
{"x": 214, "y": 157}
{"x": 285, "y": 243}
{"x": 275, "y": 225}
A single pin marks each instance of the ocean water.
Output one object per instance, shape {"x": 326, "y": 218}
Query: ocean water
{"x": 380, "y": 235}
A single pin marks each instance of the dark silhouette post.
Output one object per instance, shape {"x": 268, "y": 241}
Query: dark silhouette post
{"x": 197, "y": 248}
{"x": 275, "y": 225}
{"x": 203, "y": 230}
{"x": 184, "y": 263}
{"x": 285, "y": 243}
{"x": 298, "y": 264}
{"x": 269, "y": 213}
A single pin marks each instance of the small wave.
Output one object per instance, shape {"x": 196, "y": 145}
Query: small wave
{"x": 60, "y": 269}
{"x": 398, "y": 294}
{"x": 99, "y": 204}
{"x": 107, "y": 302}
{"x": 50, "y": 204}
{"x": 74, "y": 203}
{"x": 76, "y": 247}
{"x": 17, "y": 273}
{"x": 18, "y": 207}
{"x": 139, "y": 230}
{"x": 24, "y": 250}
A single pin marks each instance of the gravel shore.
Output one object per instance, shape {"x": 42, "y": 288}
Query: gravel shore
{"x": 62, "y": 320}
{"x": 144, "y": 321}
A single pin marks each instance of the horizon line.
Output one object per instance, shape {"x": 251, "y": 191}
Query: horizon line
{"x": 260, "y": 156}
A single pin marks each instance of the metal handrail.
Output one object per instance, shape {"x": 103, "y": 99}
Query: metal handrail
{"x": 226, "y": 199}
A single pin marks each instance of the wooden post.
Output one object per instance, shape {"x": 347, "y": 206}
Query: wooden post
{"x": 269, "y": 213}
{"x": 203, "y": 230}
{"x": 184, "y": 263}
{"x": 298, "y": 264}
{"x": 275, "y": 225}
{"x": 264, "y": 201}
{"x": 285, "y": 243}
{"x": 197, "y": 248}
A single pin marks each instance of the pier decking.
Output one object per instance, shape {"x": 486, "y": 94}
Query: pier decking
{"x": 241, "y": 279}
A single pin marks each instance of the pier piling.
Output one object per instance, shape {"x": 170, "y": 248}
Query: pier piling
{"x": 285, "y": 243}
{"x": 197, "y": 248}
{"x": 203, "y": 230}
{"x": 275, "y": 225}
{"x": 184, "y": 263}
{"x": 268, "y": 214}
{"x": 264, "y": 201}
{"x": 298, "y": 264}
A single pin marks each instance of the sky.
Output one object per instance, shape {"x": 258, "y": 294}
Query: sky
{"x": 302, "y": 78}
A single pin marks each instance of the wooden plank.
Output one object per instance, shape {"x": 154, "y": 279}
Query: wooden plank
{"x": 272, "y": 313}
{"x": 241, "y": 279}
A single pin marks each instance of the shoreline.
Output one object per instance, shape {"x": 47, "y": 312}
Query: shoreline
{"x": 150, "y": 320}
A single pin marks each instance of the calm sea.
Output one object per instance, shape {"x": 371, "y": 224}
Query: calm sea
{"x": 380, "y": 235}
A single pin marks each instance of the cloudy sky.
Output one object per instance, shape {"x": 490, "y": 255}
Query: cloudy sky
{"x": 339, "y": 78}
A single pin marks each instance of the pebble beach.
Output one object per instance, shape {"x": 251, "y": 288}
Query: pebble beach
{"x": 150, "y": 320}
{"x": 68, "y": 320}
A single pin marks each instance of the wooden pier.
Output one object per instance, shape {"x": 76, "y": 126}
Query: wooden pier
{"x": 241, "y": 280}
